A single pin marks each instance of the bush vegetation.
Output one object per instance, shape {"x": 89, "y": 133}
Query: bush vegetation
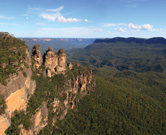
{"x": 2, "y": 105}
{"x": 12, "y": 55}
{"x": 18, "y": 119}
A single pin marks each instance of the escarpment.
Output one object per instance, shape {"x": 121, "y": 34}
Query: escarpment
{"x": 37, "y": 92}
{"x": 16, "y": 85}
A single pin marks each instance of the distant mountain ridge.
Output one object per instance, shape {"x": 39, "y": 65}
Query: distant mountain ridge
{"x": 58, "y": 43}
{"x": 58, "y": 39}
{"x": 136, "y": 54}
{"x": 154, "y": 40}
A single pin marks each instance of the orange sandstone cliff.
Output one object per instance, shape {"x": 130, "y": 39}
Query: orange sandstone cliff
{"x": 16, "y": 93}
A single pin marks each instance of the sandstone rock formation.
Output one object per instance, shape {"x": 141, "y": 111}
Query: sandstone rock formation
{"x": 55, "y": 63}
{"x": 74, "y": 89}
{"x": 36, "y": 54}
{"x": 39, "y": 120}
{"x": 50, "y": 62}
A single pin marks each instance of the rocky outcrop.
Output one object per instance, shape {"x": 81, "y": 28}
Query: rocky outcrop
{"x": 36, "y": 54}
{"x": 55, "y": 63}
{"x": 40, "y": 119}
{"x": 17, "y": 92}
{"x": 50, "y": 62}
{"x": 4, "y": 123}
{"x": 73, "y": 90}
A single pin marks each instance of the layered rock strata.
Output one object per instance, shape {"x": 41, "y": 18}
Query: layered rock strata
{"x": 16, "y": 93}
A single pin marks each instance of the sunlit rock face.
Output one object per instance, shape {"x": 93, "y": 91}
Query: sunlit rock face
{"x": 55, "y": 63}
{"x": 39, "y": 120}
{"x": 16, "y": 93}
{"x": 4, "y": 123}
{"x": 36, "y": 54}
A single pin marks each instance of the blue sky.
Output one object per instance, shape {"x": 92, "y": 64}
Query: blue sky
{"x": 83, "y": 18}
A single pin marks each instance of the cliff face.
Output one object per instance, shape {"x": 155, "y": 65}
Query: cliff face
{"x": 69, "y": 84}
{"x": 16, "y": 93}
{"x": 73, "y": 90}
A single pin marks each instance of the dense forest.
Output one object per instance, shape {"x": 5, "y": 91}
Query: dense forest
{"x": 126, "y": 103}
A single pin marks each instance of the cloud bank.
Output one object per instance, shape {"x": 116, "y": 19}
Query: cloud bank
{"x": 123, "y": 27}
{"x": 54, "y": 15}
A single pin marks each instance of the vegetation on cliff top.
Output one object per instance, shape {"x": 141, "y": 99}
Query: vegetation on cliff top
{"x": 12, "y": 55}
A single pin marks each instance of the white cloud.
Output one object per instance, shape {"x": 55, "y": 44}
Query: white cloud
{"x": 122, "y": 30}
{"x": 56, "y": 10}
{"x": 27, "y": 18}
{"x": 53, "y": 15}
{"x": 6, "y": 17}
{"x": 56, "y": 16}
{"x": 64, "y": 20}
{"x": 141, "y": 27}
{"x": 86, "y": 20}
{"x": 123, "y": 27}
{"x": 148, "y": 27}
{"x": 114, "y": 24}
{"x": 110, "y": 25}
{"x": 134, "y": 27}
{"x": 50, "y": 16}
